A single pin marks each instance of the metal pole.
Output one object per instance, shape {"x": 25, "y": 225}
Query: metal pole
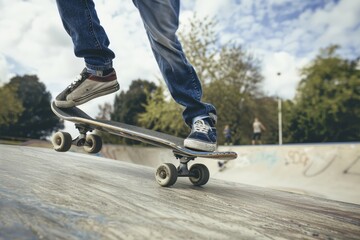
{"x": 280, "y": 116}
{"x": 280, "y": 121}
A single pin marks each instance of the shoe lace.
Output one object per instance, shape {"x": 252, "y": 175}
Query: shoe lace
{"x": 200, "y": 126}
{"x": 79, "y": 79}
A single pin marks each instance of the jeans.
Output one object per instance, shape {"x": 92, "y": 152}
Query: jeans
{"x": 161, "y": 21}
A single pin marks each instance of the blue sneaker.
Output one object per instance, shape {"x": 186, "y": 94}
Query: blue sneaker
{"x": 202, "y": 136}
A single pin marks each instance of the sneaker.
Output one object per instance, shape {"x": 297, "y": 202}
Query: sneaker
{"x": 87, "y": 87}
{"x": 202, "y": 136}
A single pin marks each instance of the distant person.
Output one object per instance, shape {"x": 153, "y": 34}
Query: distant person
{"x": 227, "y": 134}
{"x": 257, "y": 127}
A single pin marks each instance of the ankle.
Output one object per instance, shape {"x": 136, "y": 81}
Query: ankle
{"x": 99, "y": 73}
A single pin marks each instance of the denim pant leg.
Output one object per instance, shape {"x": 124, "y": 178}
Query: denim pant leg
{"x": 161, "y": 21}
{"x": 83, "y": 25}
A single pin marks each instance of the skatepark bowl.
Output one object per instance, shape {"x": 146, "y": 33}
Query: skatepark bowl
{"x": 269, "y": 192}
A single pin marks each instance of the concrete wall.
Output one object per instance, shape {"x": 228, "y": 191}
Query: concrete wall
{"x": 328, "y": 170}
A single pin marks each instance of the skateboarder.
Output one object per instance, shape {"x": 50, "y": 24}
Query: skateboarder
{"x": 161, "y": 20}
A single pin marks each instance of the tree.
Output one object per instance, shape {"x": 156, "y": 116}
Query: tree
{"x": 129, "y": 104}
{"x": 37, "y": 121}
{"x": 105, "y": 111}
{"x": 162, "y": 115}
{"x": 11, "y": 107}
{"x": 233, "y": 89}
{"x": 327, "y": 105}
{"x": 230, "y": 79}
{"x": 266, "y": 110}
{"x": 200, "y": 44}
{"x": 127, "y": 107}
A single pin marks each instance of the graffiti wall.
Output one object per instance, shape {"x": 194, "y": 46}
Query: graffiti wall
{"x": 326, "y": 170}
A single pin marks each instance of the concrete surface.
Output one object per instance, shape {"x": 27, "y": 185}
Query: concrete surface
{"x": 325, "y": 170}
{"x": 50, "y": 195}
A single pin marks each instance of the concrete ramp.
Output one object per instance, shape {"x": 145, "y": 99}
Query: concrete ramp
{"x": 50, "y": 195}
{"x": 325, "y": 170}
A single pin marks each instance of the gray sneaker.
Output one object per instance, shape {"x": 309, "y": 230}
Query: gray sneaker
{"x": 87, "y": 87}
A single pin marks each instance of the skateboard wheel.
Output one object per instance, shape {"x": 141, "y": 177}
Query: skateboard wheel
{"x": 93, "y": 143}
{"x": 166, "y": 175}
{"x": 200, "y": 174}
{"x": 62, "y": 141}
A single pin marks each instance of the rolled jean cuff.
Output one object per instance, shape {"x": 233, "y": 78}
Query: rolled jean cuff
{"x": 99, "y": 68}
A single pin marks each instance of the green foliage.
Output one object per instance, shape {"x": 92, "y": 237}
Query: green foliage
{"x": 11, "y": 107}
{"x": 127, "y": 106}
{"x": 266, "y": 110}
{"x": 164, "y": 116}
{"x": 327, "y": 106}
{"x": 37, "y": 121}
{"x": 230, "y": 80}
{"x": 199, "y": 42}
{"x": 287, "y": 115}
{"x": 234, "y": 90}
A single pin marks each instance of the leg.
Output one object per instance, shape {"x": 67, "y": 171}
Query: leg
{"x": 83, "y": 25}
{"x": 161, "y": 20}
{"x": 91, "y": 43}
{"x": 259, "y": 138}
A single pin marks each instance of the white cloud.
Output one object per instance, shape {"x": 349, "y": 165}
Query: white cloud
{"x": 283, "y": 85}
{"x": 213, "y": 8}
{"x": 337, "y": 24}
{"x": 36, "y": 39}
{"x": 3, "y": 69}
{"x": 284, "y": 34}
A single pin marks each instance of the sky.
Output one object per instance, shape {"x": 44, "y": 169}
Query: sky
{"x": 284, "y": 35}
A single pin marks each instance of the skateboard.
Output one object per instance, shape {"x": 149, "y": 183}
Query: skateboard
{"x": 166, "y": 174}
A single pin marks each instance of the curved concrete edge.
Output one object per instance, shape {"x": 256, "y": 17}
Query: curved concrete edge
{"x": 45, "y": 194}
{"x": 330, "y": 170}
{"x": 325, "y": 170}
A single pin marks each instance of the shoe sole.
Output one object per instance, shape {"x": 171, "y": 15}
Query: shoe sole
{"x": 84, "y": 99}
{"x": 200, "y": 146}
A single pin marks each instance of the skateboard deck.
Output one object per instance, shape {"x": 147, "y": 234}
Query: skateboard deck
{"x": 85, "y": 123}
{"x": 155, "y": 138}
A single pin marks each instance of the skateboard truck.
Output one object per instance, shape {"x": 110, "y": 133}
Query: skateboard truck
{"x": 81, "y": 139}
{"x": 92, "y": 143}
{"x": 182, "y": 169}
{"x": 167, "y": 174}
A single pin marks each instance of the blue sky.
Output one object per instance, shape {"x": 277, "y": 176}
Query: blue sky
{"x": 285, "y": 35}
{"x": 298, "y": 27}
